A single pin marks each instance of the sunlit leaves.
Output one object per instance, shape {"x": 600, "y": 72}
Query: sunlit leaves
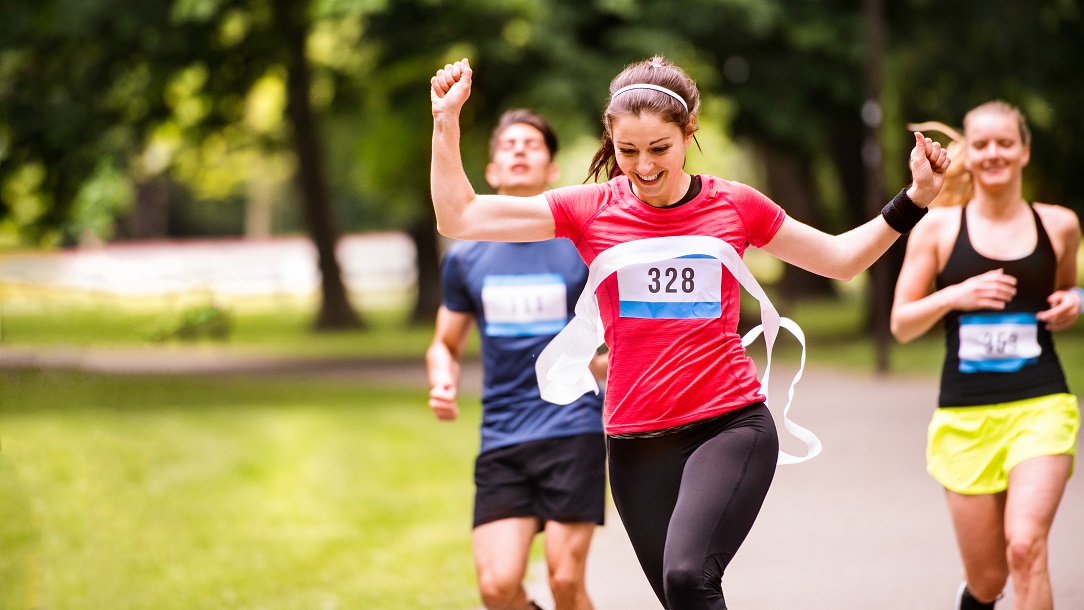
{"x": 517, "y": 32}
{"x": 234, "y": 27}
{"x": 26, "y": 201}
{"x": 103, "y": 197}
{"x": 184, "y": 95}
{"x": 265, "y": 103}
{"x": 195, "y": 10}
{"x": 332, "y": 42}
{"x": 128, "y": 92}
{"x": 23, "y": 195}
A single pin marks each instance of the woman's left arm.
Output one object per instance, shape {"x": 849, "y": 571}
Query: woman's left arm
{"x": 845, "y": 256}
{"x": 1065, "y": 303}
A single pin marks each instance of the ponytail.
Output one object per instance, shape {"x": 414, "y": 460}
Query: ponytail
{"x": 604, "y": 160}
{"x": 958, "y": 188}
{"x": 655, "y": 86}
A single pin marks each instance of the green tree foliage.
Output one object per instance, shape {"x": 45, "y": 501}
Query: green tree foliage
{"x": 87, "y": 84}
{"x": 951, "y": 57}
{"x": 553, "y": 56}
{"x": 77, "y": 80}
{"x": 793, "y": 71}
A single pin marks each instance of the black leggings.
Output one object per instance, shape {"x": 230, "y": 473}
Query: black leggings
{"x": 688, "y": 500}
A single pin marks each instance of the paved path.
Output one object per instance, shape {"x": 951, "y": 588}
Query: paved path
{"x": 861, "y": 526}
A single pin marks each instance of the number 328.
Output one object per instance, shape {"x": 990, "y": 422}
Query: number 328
{"x": 670, "y": 276}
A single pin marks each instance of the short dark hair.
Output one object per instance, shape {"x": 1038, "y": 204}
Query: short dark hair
{"x": 527, "y": 117}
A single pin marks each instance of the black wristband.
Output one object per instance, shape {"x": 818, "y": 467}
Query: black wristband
{"x": 902, "y": 214}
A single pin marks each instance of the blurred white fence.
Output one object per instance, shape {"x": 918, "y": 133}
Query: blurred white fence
{"x": 372, "y": 264}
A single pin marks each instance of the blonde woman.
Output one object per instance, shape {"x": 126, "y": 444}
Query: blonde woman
{"x": 1001, "y": 273}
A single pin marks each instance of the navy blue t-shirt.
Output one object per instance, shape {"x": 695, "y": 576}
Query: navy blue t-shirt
{"x": 521, "y": 295}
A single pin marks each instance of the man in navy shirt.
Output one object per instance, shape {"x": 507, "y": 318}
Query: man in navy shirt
{"x": 541, "y": 467}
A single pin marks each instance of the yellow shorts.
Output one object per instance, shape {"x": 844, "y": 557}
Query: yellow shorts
{"x": 970, "y": 450}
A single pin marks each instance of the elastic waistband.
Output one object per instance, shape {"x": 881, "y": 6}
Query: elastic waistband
{"x": 1014, "y": 404}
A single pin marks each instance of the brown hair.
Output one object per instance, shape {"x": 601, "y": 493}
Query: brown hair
{"x": 958, "y": 188}
{"x": 527, "y": 117}
{"x": 655, "y": 71}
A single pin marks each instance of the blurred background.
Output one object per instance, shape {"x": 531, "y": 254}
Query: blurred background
{"x": 220, "y": 187}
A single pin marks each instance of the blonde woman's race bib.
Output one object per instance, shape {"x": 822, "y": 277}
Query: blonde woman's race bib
{"x": 998, "y": 342}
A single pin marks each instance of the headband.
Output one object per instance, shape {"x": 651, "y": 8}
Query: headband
{"x": 653, "y": 88}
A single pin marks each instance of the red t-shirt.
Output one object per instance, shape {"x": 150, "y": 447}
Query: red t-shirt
{"x": 675, "y": 354}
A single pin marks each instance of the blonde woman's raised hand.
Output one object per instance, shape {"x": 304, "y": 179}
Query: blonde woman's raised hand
{"x": 451, "y": 88}
{"x": 928, "y": 162}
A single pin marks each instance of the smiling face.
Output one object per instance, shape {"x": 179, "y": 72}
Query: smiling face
{"x": 996, "y": 153}
{"x": 521, "y": 164}
{"x": 651, "y": 152}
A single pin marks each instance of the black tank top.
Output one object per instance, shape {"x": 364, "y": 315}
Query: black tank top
{"x": 990, "y": 373}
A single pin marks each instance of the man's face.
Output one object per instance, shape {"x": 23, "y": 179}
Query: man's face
{"x": 521, "y": 163}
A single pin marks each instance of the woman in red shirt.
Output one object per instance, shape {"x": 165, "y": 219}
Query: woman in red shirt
{"x": 691, "y": 446}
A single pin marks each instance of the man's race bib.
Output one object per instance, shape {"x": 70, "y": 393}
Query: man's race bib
{"x": 524, "y": 305}
{"x": 685, "y": 287}
{"x": 998, "y": 342}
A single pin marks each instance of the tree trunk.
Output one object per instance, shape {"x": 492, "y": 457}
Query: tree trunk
{"x": 846, "y": 153}
{"x": 790, "y": 184}
{"x": 149, "y": 218}
{"x": 881, "y": 286}
{"x": 260, "y": 201}
{"x": 291, "y": 19}
{"x": 424, "y": 233}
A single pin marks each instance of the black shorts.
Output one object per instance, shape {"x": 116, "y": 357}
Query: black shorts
{"x": 555, "y": 479}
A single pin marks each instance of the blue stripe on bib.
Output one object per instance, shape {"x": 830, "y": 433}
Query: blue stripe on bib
{"x": 524, "y": 305}
{"x": 656, "y": 309}
{"x": 685, "y": 287}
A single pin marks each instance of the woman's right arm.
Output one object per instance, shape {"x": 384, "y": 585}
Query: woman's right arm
{"x": 916, "y": 307}
{"x": 461, "y": 213}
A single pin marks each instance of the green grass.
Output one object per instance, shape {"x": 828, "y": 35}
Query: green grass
{"x": 284, "y": 331}
{"x": 282, "y": 327}
{"x": 229, "y": 492}
{"x": 147, "y": 492}
{"x": 835, "y": 332}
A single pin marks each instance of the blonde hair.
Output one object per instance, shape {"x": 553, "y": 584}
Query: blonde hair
{"x": 958, "y": 188}
{"x": 1003, "y": 107}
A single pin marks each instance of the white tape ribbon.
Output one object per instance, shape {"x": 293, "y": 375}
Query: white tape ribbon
{"x": 563, "y": 367}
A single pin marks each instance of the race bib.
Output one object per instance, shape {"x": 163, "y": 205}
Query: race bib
{"x": 524, "y": 305}
{"x": 998, "y": 342}
{"x": 563, "y": 368}
{"x": 685, "y": 287}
